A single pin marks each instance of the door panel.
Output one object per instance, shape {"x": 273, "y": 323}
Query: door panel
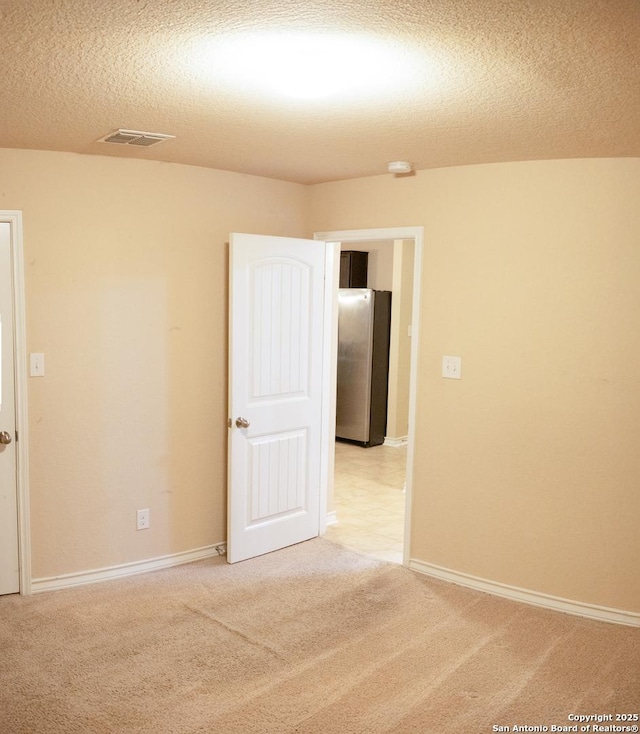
{"x": 9, "y": 574}
{"x": 275, "y": 388}
{"x": 277, "y": 470}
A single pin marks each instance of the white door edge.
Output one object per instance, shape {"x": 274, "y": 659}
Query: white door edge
{"x": 368, "y": 235}
{"x": 14, "y": 218}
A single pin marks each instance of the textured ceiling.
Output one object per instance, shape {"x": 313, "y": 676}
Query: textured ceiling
{"x": 490, "y": 80}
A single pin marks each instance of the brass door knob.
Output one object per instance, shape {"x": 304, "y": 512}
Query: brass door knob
{"x": 5, "y": 437}
{"x": 242, "y": 423}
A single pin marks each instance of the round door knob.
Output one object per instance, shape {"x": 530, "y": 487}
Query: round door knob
{"x": 5, "y": 437}
{"x": 242, "y": 423}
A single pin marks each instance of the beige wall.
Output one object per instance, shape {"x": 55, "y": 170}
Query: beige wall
{"x": 527, "y": 469}
{"x": 126, "y": 273}
{"x": 400, "y": 347}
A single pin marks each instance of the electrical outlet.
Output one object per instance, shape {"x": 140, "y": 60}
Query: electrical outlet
{"x": 451, "y": 367}
{"x": 142, "y": 519}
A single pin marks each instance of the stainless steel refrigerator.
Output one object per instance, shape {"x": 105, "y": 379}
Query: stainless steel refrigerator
{"x": 364, "y": 327}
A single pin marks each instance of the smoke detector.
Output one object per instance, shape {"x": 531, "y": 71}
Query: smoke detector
{"x": 135, "y": 137}
{"x": 399, "y": 167}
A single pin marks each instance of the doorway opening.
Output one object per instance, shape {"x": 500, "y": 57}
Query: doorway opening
{"x": 369, "y": 500}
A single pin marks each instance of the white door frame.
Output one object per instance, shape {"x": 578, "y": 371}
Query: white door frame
{"x": 367, "y": 235}
{"x": 14, "y": 218}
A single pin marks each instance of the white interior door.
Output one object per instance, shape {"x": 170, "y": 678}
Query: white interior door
{"x": 9, "y": 571}
{"x": 276, "y": 401}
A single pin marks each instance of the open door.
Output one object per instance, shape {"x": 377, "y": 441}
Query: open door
{"x": 278, "y": 407}
{"x": 9, "y": 567}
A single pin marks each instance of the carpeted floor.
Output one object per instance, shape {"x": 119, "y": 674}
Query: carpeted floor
{"x": 311, "y": 639}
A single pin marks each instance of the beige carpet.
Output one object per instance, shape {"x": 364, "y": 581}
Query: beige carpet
{"x": 313, "y": 639}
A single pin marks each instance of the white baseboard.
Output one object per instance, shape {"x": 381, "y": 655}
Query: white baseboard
{"x": 53, "y": 583}
{"x": 558, "y": 604}
{"x": 332, "y": 518}
{"x": 401, "y": 441}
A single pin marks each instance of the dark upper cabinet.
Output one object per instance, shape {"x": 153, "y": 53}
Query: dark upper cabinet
{"x": 353, "y": 269}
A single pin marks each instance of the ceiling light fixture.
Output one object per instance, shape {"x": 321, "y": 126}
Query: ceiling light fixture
{"x": 307, "y": 65}
{"x": 399, "y": 167}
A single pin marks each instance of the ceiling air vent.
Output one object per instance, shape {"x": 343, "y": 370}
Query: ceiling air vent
{"x": 135, "y": 137}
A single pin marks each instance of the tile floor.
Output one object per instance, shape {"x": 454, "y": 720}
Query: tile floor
{"x": 369, "y": 499}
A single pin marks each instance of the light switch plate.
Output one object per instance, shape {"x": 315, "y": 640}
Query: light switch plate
{"x": 451, "y": 367}
{"x": 36, "y": 364}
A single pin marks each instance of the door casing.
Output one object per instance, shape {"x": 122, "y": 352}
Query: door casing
{"x": 14, "y": 218}
{"x": 368, "y": 235}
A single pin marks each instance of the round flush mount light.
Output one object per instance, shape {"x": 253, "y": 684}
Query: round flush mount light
{"x": 399, "y": 167}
